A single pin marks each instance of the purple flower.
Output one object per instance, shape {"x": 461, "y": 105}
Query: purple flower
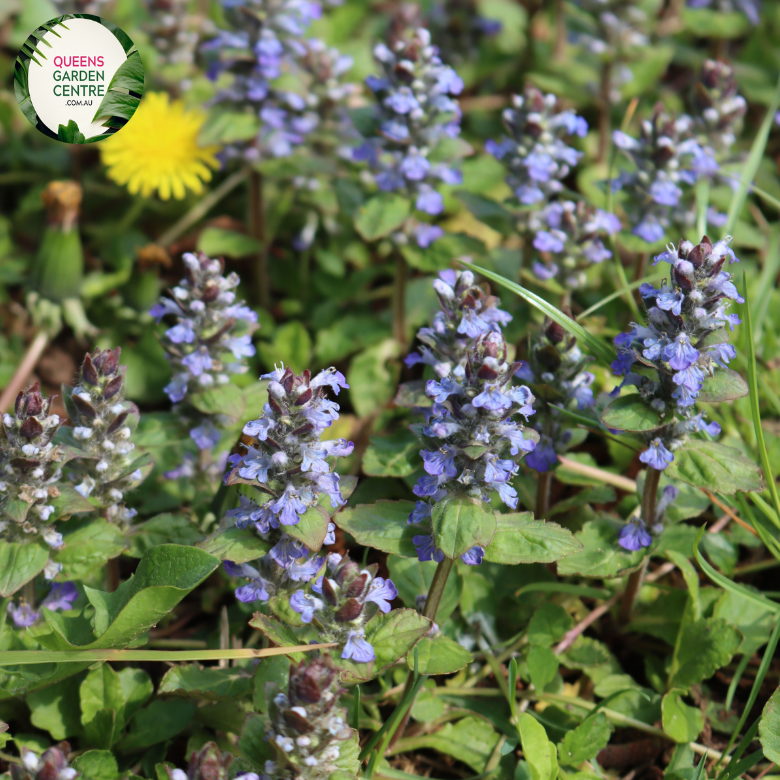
{"x": 402, "y": 101}
{"x": 198, "y": 361}
{"x": 421, "y": 511}
{"x": 241, "y": 346}
{"x": 338, "y": 448}
{"x": 357, "y": 648}
{"x": 382, "y": 592}
{"x": 440, "y": 462}
{"x": 331, "y": 378}
{"x": 633, "y": 536}
{"x": 425, "y": 235}
{"x": 181, "y": 333}
{"x": 722, "y": 354}
{"x": 474, "y": 556}
{"x": 441, "y": 391}
{"x": 426, "y": 486}
{"x": 255, "y": 465}
{"x": 507, "y": 493}
{"x": 656, "y": 455}
{"x": 471, "y": 324}
{"x": 314, "y": 459}
{"x": 543, "y": 457}
{"x": 287, "y": 551}
{"x": 498, "y": 470}
{"x": 492, "y": 398}
{"x": 548, "y": 242}
{"x": 665, "y": 193}
{"x": 23, "y": 615}
{"x": 61, "y": 596}
{"x": 253, "y": 591}
{"x": 544, "y": 272}
{"x": 205, "y": 435}
{"x": 670, "y": 300}
{"x": 690, "y": 378}
{"x": 649, "y": 229}
{"x": 680, "y": 353}
{"x": 288, "y": 506}
{"x": 329, "y": 484}
{"x": 429, "y": 201}
{"x": 176, "y": 389}
{"x": 414, "y": 167}
{"x": 305, "y": 605}
{"x": 426, "y": 549}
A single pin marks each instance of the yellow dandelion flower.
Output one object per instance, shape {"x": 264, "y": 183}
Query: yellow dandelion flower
{"x": 158, "y": 150}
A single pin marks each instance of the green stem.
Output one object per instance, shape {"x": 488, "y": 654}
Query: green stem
{"x": 543, "y": 495}
{"x": 399, "y": 301}
{"x": 604, "y": 111}
{"x": 649, "y": 493}
{"x": 435, "y": 592}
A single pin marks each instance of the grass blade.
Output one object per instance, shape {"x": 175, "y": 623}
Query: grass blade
{"x": 595, "y": 346}
{"x": 751, "y": 166}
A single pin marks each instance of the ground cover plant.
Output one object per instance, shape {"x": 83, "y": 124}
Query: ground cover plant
{"x": 396, "y": 394}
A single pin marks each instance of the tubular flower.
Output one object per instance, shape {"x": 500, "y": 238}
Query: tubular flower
{"x": 208, "y": 763}
{"x": 340, "y": 605}
{"x": 570, "y": 238}
{"x": 534, "y": 150}
{"x": 158, "y": 150}
{"x": 103, "y": 425}
{"x": 415, "y": 111}
{"x": 207, "y": 343}
{"x": 467, "y": 312}
{"x": 306, "y": 724}
{"x": 555, "y": 372}
{"x": 292, "y": 468}
{"x": 683, "y": 341}
{"x": 668, "y": 160}
{"x": 60, "y": 597}
{"x": 30, "y": 468}
{"x": 481, "y": 440}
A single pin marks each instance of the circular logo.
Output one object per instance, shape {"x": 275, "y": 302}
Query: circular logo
{"x": 78, "y": 78}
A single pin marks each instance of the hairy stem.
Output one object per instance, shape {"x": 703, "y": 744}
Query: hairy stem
{"x": 648, "y": 514}
{"x": 543, "y": 495}
{"x": 435, "y": 592}
{"x": 399, "y": 301}
{"x": 257, "y": 230}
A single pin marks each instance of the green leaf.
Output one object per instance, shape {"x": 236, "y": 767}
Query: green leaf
{"x": 382, "y": 525}
{"x": 227, "y": 127}
{"x": 70, "y": 134}
{"x": 725, "y": 385}
{"x": 461, "y": 523}
{"x": 413, "y": 578}
{"x": 588, "y": 343}
{"x": 96, "y": 765}
{"x": 291, "y": 345}
{"x": 102, "y": 707}
{"x": 225, "y": 399}
{"x": 632, "y": 413}
{"x": 705, "y": 646}
{"x": 69, "y": 502}
{"x": 539, "y": 752}
{"x": 164, "y": 576}
{"x": 601, "y": 555}
{"x": 714, "y": 467}
{"x": 275, "y": 669}
{"x": 542, "y": 666}
{"x": 521, "y": 539}
{"x": 585, "y": 742}
{"x": 210, "y": 683}
{"x": 252, "y": 744}
{"x": 769, "y": 728}
{"x": 164, "y": 529}
{"x": 162, "y": 720}
{"x": 52, "y": 709}
{"x": 129, "y": 76}
{"x": 548, "y": 625}
{"x": 89, "y": 543}
{"x": 381, "y": 215}
{"x": 392, "y": 456}
{"x": 276, "y": 632}
{"x": 220, "y": 242}
{"x": 681, "y": 722}
{"x": 440, "y": 655}
{"x": 311, "y": 528}
{"x": 19, "y": 563}
{"x": 373, "y": 376}
{"x": 486, "y": 210}
{"x": 239, "y": 545}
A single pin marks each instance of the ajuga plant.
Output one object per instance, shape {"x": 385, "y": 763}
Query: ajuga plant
{"x": 345, "y": 598}
{"x": 24, "y": 614}
{"x": 52, "y": 764}
{"x": 103, "y": 427}
{"x": 555, "y": 373}
{"x": 467, "y": 311}
{"x": 534, "y": 150}
{"x": 667, "y": 159}
{"x": 570, "y": 238}
{"x": 615, "y": 32}
{"x": 292, "y": 472}
{"x": 31, "y": 468}
{"x": 210, "y": 340}
{"x": 680, "y": 354}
